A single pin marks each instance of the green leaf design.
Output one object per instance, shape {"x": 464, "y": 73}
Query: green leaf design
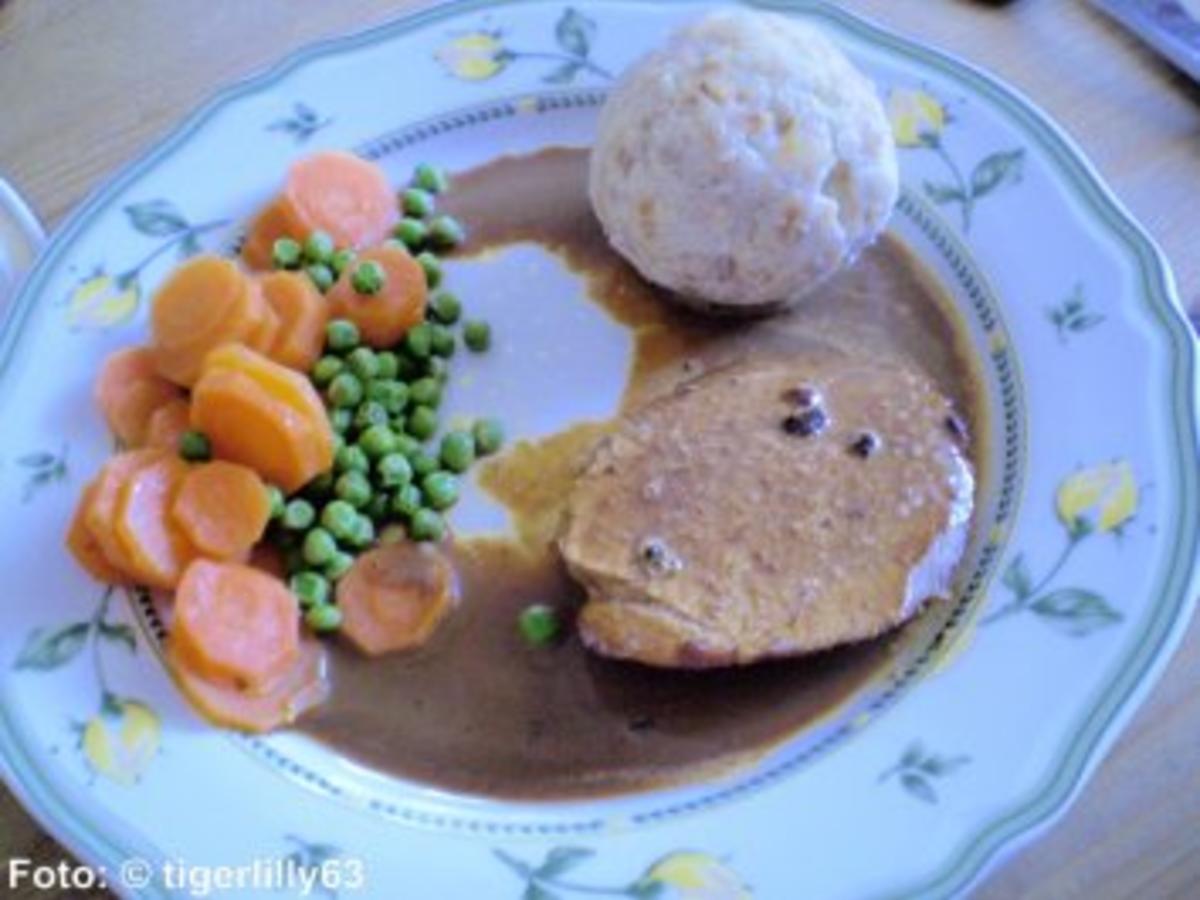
{"x": 564, "y": 74}
{"x": 47, "y": 649}
{"x": 919, "y": 787}
{"x": 561, "y": 860}
{"x": 1076, "y": 611}
{"x": 519, "y": 866}
{"x": 912, "y": 755}
{"x": 37, "y": 460}
{"x": 995, "y": 170}
{"x": 119, "y": 633}
{"x": 942, "y": 765}
{"x": 574, "y": 32}
{"x": 943, "y": 193}
{"x": 156, "y": 218}
{"x": 534, "y": 891}
{"x": 1017, "y": 578}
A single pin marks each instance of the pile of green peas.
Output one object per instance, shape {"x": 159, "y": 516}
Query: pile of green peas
{"x": 317, "y": 257}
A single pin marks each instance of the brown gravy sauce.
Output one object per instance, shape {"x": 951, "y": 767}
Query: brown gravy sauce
{"x": 477, "y": 710}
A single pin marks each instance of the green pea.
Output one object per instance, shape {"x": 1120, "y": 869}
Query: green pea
{"x": 354, "y": 488}
{"x": 338, "y": 566}
{"x": 323, "y": 619}
{"x": 406, "y": 501}
{"x": 341, "y": 420}
{"x": 427, "y": 525}
{"x": 393, "y": 470}
{"x": 407, "y": 444}
{"x": 446, "y": 232}
{"x": 391, "y": 395}
{"x": 539, "y": 624}
{"x": 426, "y": 392}
{"x": 489, "y": 436}
{"x": 432, "y": 267}
{"x": 342, "y": 260}
{"x": 369, "y": 414}
{"x": 430, "y": 178}
{"x": 351, "y": 458}
{"x": 341, "y": 335}
{"x": 276, "y": 500}
{"x": 377, "y": 507}
{"x": 445, "y": 307}
{"x": 398, "y": 425}
{"x": 338, "y": 519}
{"x": 310, "y": 588}
{"x": 194, "y": 446}
{"x": 286, "y": 254}
{"x": 417, "y": 202}
{"x": 423, "y": 463}
{"x": 364, "y": 363}
{"x": 457, "y": 451}
{"x": 389, "y": 365}
{"x": 319, "y": 547}
{"x": 392, "y": 534}
{"x": 440, "y": 490}
{"x": 419, "y": 341}
{"x": 339, "y": 441}
{"x": 377, "y": 441}
{"x": 320, "y": 487}
{"x": 326, "y": 369}
{"x": 437, "y": 367}
{"x": 320, "y": 275}
{"x": 477, "y": 335}
{"x": 363, "y": 534}
{"x": 345, "y": 390}
{"x": 422, "y": 423}
{"x": 442, "y": 341}
{"x": 411, "y": 233}
{"x": 298, "y": 515}
{"x": 368, "y": 278}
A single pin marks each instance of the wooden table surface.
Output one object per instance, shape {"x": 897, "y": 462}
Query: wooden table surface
{"x": 85, "y": 85}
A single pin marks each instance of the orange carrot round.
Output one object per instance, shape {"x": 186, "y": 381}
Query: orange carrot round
{"x": 167, "y": 425}
{"x": 274, "y": 221}
{"x": 222, "y": 508}
{"x": 341, "y": 194}
{"x": 100, "y": 514}
{"x": 235, "y": 625}
{"x": 84, "y": 546}
{"x": 206, "y": 302}
{"x": 395, "y": 596}
{"x": 302, "y": 314}
{"x": 129, "y": 390}
{"x": 157, "y": 551}
{"x": 384, "y": 317}
{"x": 300, "y": 687}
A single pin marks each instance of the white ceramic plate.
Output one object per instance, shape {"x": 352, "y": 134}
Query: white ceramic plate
{"x": 1078, "y": 587}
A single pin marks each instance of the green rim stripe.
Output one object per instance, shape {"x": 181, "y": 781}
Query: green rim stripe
{"x": 1172, "y": 593}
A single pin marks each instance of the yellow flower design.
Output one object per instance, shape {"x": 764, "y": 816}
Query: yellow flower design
{"x": 102, "y": 301}
{"x": 120, "y": 741}
{"x": 1103, "y": 498}
{"x": 917, "y": 118}
{"x": 696, "y": 876}
{"x": 476, "y": 56}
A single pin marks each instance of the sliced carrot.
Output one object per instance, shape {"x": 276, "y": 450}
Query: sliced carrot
{"x": 394, "y": 597}
{"x": 383, "y": 318}
{"x": 235, "y": 625}
{"x": 264, "y": 335}
{"x": 222, "y": 508}
{"x": 167, "y": 425}
{"x": 302, "y": 314}
{"x": 129, "y": 390}
{"x": 157, "y": 550}
{"x": 206, "y": 302}
{"x": 246, "y": 425}
{"x": 302, "y": 686}
{"x": 100, "y": 515}
{"x": 273, "y": 222}
{"x": 84, "y": 546}
{"x": 341, "y": 194}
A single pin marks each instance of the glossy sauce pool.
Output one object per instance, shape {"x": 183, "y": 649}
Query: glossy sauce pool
{"x": 479, "y": 711}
